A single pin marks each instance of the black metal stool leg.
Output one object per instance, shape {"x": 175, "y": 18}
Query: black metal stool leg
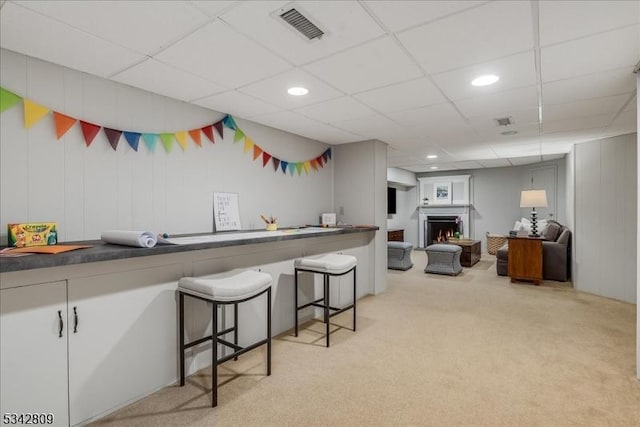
{"x": 235, "y": 326}
{"x": 295, "y": 307}
{"x": 326, "y": 306}
{"x": 181, "y": 314}
{"x": 354, "y": 299}
{"x": 269, "y": 331}
{"x": 214, "y": 355}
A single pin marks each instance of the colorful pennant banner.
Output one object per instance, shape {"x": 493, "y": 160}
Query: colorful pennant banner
{"x": 34, "y": 112}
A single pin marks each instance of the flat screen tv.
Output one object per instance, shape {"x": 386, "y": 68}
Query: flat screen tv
{"x": 391, "y": 200}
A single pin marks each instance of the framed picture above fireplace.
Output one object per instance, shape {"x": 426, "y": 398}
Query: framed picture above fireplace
{"x": 442, "y": 194}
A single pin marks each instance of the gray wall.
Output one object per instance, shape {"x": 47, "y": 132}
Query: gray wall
{"x": 360, "y": 194}
{"x": 406, "y": 216}
{"x": 87, "y": 190}
{"x": 606, "y": 188}
{"x": 495, "y": 196}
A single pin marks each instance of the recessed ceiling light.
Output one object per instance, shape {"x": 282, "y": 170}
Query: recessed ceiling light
{"x": 432, "y": 156}
{"x": 298, "y": 91}
{"x": 485, "y": 80}
{"x": 509, "y": 132}
{"x": 433, "y": 167}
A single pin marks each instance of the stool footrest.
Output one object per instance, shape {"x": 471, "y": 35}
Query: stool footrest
{"x": 309, "y": 304}
{"x": 208, "y": 338}
{"x": 242, "y": 351}
{"x": 229, "y": 344}
{"x": 340, "y": 310}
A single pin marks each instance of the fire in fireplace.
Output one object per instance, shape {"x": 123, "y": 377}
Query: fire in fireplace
{"x": 437, "y": 229}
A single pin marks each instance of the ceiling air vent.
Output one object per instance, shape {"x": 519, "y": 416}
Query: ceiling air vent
{"x": 301, "y": 24}
{"x": 504, "y": 121}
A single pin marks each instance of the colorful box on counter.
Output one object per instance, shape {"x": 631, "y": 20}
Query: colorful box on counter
{"x": 32, "y": 234}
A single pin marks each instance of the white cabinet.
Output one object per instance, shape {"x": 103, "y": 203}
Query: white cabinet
{"x": 33, "y": 337}
{"x": 125, "y": 344}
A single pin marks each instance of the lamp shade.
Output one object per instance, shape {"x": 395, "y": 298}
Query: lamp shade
{"x": 533, "y": 199}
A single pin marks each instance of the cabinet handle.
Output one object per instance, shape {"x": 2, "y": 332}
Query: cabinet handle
{"x": 75, "y": 320}
{"x": 60, "y": 324}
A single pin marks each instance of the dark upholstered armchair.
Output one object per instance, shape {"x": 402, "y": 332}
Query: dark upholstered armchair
{"x": 556, "y": 254}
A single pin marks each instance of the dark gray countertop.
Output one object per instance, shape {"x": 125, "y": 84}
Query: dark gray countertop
{"x": 101, "y": 251}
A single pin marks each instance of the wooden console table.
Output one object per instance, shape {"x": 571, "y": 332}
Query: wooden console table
{"x": 395, "y": 235}
{"x": 470, "y": 251}
{"x": 525, "y": 259}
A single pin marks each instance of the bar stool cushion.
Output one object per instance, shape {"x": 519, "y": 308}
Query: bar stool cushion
{"x": 328, "y": 263}
{"x": 230, "y": 286}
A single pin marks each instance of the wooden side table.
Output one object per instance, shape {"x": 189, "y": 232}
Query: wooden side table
{"x": 525, "y": 259}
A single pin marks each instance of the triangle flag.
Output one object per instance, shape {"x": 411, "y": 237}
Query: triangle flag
{"x": 328, "y": 152}
{"x": 113, "y": 135}
{"x": 292, "y": 168}
{"x": 229, "y": 122}
{"x": 325, "y": 156}
{"x": 319, "y": 160}
{"x": 132, "y": 138}
{"x": 276, "y": 163}
{"x": 89, "y": 131}
{"x": 63, "y": 123}
{"x": 181, "y": 137}
{"x": 265, "y": 158}
{"x": 196, "y": 136}
{"x": 238, "y": 136}
{"x": 33, "y": 113}
{"x": 150, "y": 140}
{"x": 256, "y": 152}
{"x": 7, "y": 99}
{"x": 314, "y": 164}
{"x": 284, "y": 165}
{"x": 218, "y": 126}
{"x": 299, "y": 168}
{"x": 208, "y": 130}
{"x": 167, "y": 141}
{"x": 307, "y": 166}
{"x": 248, "y": 145}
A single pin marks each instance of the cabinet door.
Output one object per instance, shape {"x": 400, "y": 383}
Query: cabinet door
{"x": 34, "y": 355}
{"x": 125, "y": 345}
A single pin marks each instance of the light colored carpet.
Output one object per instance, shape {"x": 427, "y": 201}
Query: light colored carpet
{"x": 471, "y": 350}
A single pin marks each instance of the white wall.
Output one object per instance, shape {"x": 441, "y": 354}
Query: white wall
{"x": 87, "y": 190}
{"x": 637, "y": 235}
{"x": 606, "y": 214}
{"x": 360, "y": 194}
{"x": 406, "y": 216}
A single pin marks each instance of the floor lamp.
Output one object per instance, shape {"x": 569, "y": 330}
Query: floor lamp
{"x": 532, "y": 199}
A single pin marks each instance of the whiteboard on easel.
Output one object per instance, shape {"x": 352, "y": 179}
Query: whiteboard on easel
{"x": 226, "y": 214}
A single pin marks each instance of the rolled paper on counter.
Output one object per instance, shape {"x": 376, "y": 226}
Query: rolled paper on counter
{"x": 140, "y": 239}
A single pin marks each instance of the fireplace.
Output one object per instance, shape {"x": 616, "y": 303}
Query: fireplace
{"x": 437, "y": 229}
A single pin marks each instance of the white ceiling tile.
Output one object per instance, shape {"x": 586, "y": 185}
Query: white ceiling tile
{"x": 550, "y": 156}
{"x": 375, "y": 126}
{"x": 597, "y": 85}
{"x": 566, "y": 20}
{"x": 500, "y": 104}
{"x": 237, "y": 104}
{"x": 583, "y": 108}
{"x": 274, "y": 89}
{"x": 336, "y": 110}
{"x": 125, "y": 23}
{"x": 579, "y": 123}
{"x": 398, "y": 16}
{"x": 525, "y": 123}
{"x": 468, "y": 164}
{"x": 30, "y": 33}
{"x": 531, "y": 155}
{"x": 515, "y": 71}
{"x": 476, "y": 35}
{"x": 633, "y": 104}
{"x": 402, "y": 96}
{"x": 345, "y": 24}
{"x": 214, "y": 8}
{"x": 217, "y": 53}
{"x": 494, "y": 163}
{"x": 365, "y": 67}
{"x": 301, "y": 125}
{"x": 472, "y": 152}
{"x": 600, "y": 52}
{"x": 626, "y": 122}
{"x": 160, "y": 78}
{"x": 438, "y": 119}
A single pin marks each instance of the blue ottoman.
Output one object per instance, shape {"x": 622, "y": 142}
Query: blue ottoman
{"x": 443, "y": 259}
{"x": 399, "y": 255}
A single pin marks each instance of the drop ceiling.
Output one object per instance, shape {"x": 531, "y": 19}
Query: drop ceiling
{"x": 397, "y": 71}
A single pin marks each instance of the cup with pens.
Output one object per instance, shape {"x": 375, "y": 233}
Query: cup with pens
{"x": 271, "y": 222}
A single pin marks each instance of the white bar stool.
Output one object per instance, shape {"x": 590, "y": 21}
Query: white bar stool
{"x": 328, "y": 265}
{"x": 233, "y": 287}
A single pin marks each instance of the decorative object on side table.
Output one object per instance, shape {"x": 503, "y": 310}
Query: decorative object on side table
{"x": 532, "y": 199}
{"x": 271, "y": 222}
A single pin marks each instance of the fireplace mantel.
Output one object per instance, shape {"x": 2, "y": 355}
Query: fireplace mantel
{"x": 425, "y": 211}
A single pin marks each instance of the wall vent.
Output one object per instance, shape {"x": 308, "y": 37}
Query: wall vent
{"x": 504, "y": 121}
{"x": 302, "y": 24}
